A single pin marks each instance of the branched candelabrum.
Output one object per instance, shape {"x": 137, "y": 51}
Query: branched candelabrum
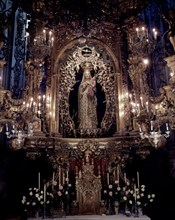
{"x": 155, "y": 136}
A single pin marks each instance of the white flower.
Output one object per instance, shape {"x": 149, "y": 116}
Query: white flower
{"x": 105, "y": 191}
{"x": 23, "y": 201}
{"x": 33, "y": 203}
{"x": 48, "y": 202}
{"x": 118, "y": 188}
{"x": 116, "y": 182}
{"x": 66, "y": 193}
{"x": 142, "y": 186}
{"x": 28, "y": 203}
{"x": 149, "y": 196}
{"x": 142, "y": 189}
{"x": 130, "y": 201}
{"x": 37, "y": 195}
{"x": 138, "y": 203}
{"x": 31, "y": 193}
{"x": 138, "y": 197}
{"x": 69, "y": 185}
{"x": 137, "y": 190}
{"x": 35, "y": 188}
{"x": 60, "y": 187}
{"x": 42, "y": 192}
{"x": 42, "y": 202}
{"x": 142, "y": 195}
{"x": 30, "y": 189}
{"x": 153, "y": 195}
{"x": 131, "y": 191}
{"x": 110, "y": 186}
{"x": 151, "y": 200}
{"x": 124, "y": 198}
{"x": 41, "y": 196}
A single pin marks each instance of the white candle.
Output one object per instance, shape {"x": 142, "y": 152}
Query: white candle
{"x": 138, "y": 180}
{"x": 108, "y": 178}
{"x": 151, "y": 125}
{"x": 59, "y": 170}
{"x": 125, "y": 177}
{"x": 44, "y": 32}
{"x": 147, "y": 107}
{"x": 135, "y": 196}
{"x": 39, "y": 180}
{"x": 141, "y": 99}
{"x": 44, "y": 193}
{"x": 7, "y": 129}
{"x": 140, "y": 129}
{"x": 67, "y": 175}
{"x": 118, "y": 174}
{"x": 53, "y": 179}
{"x": 167, "y": 127}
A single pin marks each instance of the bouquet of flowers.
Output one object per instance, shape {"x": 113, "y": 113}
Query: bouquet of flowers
{"x": 112, "y": 197}
{"x": 136, "y": 198}
{"x": 34, "y": 199}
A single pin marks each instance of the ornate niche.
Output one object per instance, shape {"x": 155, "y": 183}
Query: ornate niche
{"x": 70, "y": 75}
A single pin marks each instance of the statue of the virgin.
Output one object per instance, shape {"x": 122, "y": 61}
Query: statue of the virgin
{"x": 87, "y": 100}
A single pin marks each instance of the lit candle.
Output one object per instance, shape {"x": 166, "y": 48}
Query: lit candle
{"x": 138, "y": 180}
{"x": 167, "y": 127}
{"x": 151, "y": 125}
{"x": 52, "y": 40}
{"x": 147, "y": 107}
{"x": 137, "y": 30}
{"x": 141, "y": 99}
{"x": 39, "y": 180}
{"x": 140, "y": 129}
{"x": 44, "y": 32}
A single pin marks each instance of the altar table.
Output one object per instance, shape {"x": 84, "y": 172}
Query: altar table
{"x": 96, "y": 217}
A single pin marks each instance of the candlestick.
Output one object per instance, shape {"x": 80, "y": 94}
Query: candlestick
{"x": 53, "y": 179}
{"x": 118, "y": 174}
{"x": 59, "y": 170}
{"x": 135, "y": 196}
{"x": 138, "y": 180}
{"x": 125, "y": 177}
{"x": 39, "y": 180}
{"x": 44, "y": 193}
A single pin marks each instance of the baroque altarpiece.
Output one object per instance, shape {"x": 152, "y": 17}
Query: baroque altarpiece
{"x": 87, "y": 100}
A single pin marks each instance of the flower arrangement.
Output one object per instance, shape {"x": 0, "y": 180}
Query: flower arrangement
{"x": 34, "y": 199}
{"x": 127, "y": 198}
{"x": 136, "y": 198}
{"x": 62, "y": 195}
